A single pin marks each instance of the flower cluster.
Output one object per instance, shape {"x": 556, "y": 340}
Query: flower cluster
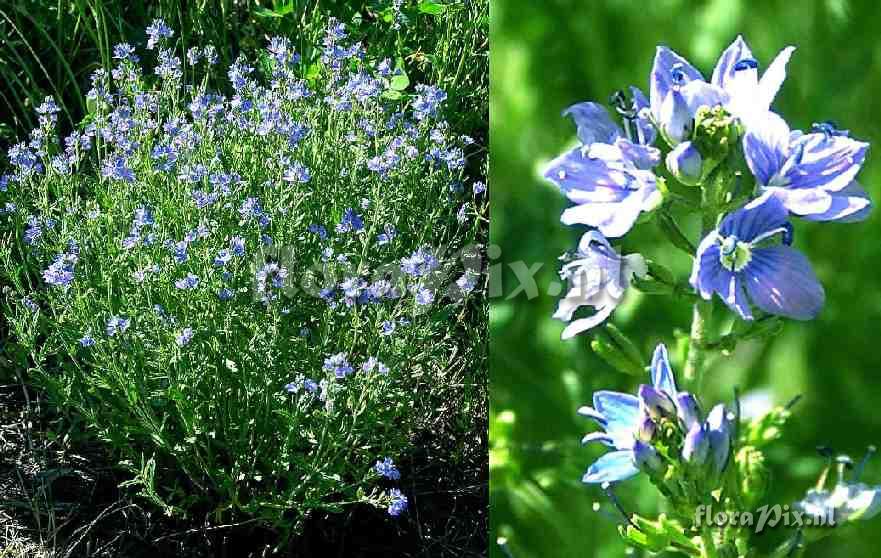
{"x": 657, "y": 430}
{"x": 615, "y": 175}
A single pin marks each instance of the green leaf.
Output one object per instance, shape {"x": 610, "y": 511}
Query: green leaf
{"x": 278, "y": 12}
{"x": 391, "y": 94}
{"x": 431, "y": 8}
{"x": 399, "y": 82}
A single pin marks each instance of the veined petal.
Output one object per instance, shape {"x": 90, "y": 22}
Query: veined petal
{"x": 612, "y": 467}
{"x": 828, "y": 162}
{"x": 736, "y": 298}
{"x": 661, "y": 80}
{"x": 849, "y": 205}
{"x": 766, "y": 147}
{"x": 804, "y": 201}
{"x": 724, "y": 70}
{"x": 773, "y": 78}
{"x": 780, "y": 281}
{"x": 594, "y": 123}
{"x": 621, "y": 410}
{"x": 612, "y": 219}
{"x": 702, "y": 94}
{"x": 764, "y": 214}
{"x": 591, "y": 413}
{"x": 662, "y": 375}
{"x": 586, "y": 179}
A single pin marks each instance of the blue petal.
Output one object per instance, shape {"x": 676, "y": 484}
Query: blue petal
{"x": 829, "y": 162}
{"x": 612, "y": 467}
{"x": 780, "y": 281}
{"x": 708, "y": 276}
{"x": 593, "y": 122}
{"x": 763, "y": 214}
{"x": 598, "y": 437}
{"x": 613, "y": 219}
{"x": 736, "y": 298}
{"x": 701, "y": 94}
{"x": 621, "y": 410}
{"x": 646, "y": 128}
{"x": 661, "y": 80}
{"x": 662, "y": 375}
{"x": 582, "y": 178}
{"x": 724, "y": 70}
{"x": 849, "y": 205}
{"x": 766, "y": 147}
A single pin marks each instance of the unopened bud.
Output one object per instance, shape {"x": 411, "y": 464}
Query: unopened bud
{"x": 657, "y": 403}
{"x": 646, "y": 429}
{"x": 720, "y": 438}
{"x": 685, "y": 163}
{"x": 676, "y": 120}
{"x": 696, "y": 446}
{"x": 646, "y": 458}
{"x": 688, "y": 410}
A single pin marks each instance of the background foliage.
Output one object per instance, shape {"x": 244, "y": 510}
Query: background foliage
{"x": 548, "y": 55}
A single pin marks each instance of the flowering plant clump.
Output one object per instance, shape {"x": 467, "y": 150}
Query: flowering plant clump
{"x": 715, "y": 151}
{"x": 241, "y": 291}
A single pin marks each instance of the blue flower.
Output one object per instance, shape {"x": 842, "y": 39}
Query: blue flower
{"x": 270, "y": 276}
{"x": 184, "y": 337}
{"x": 157, "y": 31}
{"x": 678, "y": 89}
{"x": 339, "y": 365}
{"x": 420, "y": 263}
{"x": 237, "y": 245}
{"x": 125, "y": 51}
{"x": 389, "y": 233}
{"x": 424, "y": 296}
{"x": 737, "y": 73}
{"x": 627, "y": 425}
{"x": 598, "y": 277}
{"x": 813, "y": 174}
{"x": 116, "y": 325}
{"x": 428, "y": 99}
{"x": 609, "y": 177}
{"x": 187, "y": 283}
{"x": 398, "y": 503}
{"x": 60, "y": 272}
{"x": 372, "y": 364}
{"x": 117, "y": 168}
{"x": 87, "y": 341}
{"x": 739, "y": 262}
{"x": 386, "y": 468}
{"x": 351, "y": 222}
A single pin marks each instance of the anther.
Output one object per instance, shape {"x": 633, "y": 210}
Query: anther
{"x": 746, "y": 64}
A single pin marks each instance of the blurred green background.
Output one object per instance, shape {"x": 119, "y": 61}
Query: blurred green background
{"x": 547, "y": 55}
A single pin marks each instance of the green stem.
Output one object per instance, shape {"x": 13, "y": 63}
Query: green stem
{"x": 694, "y": 363}
{"x": 703, "y": 309}
{"x": 708, "y": 544}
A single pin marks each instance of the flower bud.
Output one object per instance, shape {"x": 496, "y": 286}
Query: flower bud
{"x": 719, "y": 428}
{"x": 697, "y": 445}
{"x": 676, "y": 120}
{"x": 657, "y": 403}
{"x": 688, "y": 410}
{"x": 646, "y": 429}
{"x": 685, "y": 163}
{"x": 646, "y": 458}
